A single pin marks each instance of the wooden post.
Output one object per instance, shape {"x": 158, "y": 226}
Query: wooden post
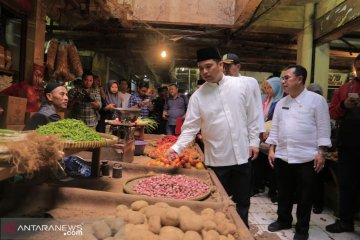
{"x": 35, "y": 40}
{"x": 305, "y": 41}
{"x": 321, "y": 70}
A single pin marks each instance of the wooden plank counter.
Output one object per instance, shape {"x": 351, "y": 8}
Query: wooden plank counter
{"x": 7, "y": 171}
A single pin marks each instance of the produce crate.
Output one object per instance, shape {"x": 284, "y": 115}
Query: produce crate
{"x": 72, "y": 203}
{"x": 14, "y": 110}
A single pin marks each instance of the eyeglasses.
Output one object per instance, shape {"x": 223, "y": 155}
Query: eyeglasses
{"x": 285, "y": 78}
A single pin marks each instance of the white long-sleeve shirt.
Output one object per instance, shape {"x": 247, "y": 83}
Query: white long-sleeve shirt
{"x": 227, "y": 116}
{"x": 255, "y": 89}
{"x": 299, "y": 126}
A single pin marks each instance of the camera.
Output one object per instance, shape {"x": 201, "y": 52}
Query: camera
{"x": 81, "y": 95}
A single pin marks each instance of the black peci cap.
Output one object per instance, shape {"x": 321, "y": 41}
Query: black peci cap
{"x": 51, "y": 86}
{"x": 208, "y": 53}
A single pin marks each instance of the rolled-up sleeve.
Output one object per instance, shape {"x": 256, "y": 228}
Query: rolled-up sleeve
{"x": 323, "y": 124}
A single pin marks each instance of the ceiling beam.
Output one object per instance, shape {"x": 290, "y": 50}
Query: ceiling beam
{"x": 339, "y": 21}
{"x": 262, "y": 8}
{"x": 298, "y": 2}
{"x": 244, "y": 10}
{"x": 184, "y": 12}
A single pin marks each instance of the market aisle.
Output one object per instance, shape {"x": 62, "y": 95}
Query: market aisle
{"x": 263, "y": 212}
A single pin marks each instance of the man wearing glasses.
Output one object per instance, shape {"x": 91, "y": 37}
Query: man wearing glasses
{"x": 299, "y": 134}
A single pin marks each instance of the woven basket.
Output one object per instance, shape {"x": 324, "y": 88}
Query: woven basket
{"x": 129, "y": 188}
{"x": 107, "y": 140}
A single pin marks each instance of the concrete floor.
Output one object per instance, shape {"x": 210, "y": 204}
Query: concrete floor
{"x": 263, "y": 212}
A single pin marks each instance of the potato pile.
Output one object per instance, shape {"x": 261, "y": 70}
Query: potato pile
{"x": 163, "y": 222}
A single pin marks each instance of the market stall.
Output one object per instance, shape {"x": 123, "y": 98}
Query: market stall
{"x": 40, "y": 150}
{"x": 101, "y": 197}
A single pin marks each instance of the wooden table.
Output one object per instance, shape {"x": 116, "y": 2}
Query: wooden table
{"x": 7, "y": 171}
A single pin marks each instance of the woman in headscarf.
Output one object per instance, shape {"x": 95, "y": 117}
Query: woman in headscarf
{"x": 110, "y": 101}
{"x": 275, "y": 92}
{"x": 263, "y": 173}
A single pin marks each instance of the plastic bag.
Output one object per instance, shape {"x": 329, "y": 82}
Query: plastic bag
{"x": 76, "y": 167}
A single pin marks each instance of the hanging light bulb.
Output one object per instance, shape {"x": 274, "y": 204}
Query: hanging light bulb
{"x": 163, "y": 54}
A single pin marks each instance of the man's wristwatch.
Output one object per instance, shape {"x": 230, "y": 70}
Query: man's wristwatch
{"x": 322, "y": 153}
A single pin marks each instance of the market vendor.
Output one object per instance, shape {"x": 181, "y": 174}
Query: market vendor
{"x": 227, "y": 116}
{"x": 56, "y": 100}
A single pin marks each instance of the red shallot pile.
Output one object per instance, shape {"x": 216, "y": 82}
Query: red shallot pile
{"x": 171, "y": 186}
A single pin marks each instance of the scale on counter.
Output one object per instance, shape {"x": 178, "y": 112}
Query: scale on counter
{"x": 124, "y": 129}
{"x": 128, "y": 114}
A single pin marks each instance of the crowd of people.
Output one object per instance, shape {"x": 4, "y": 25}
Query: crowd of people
{"x": 293, "y": 121}
{"x": 88, "y": 100}
{"x": 230, "y": 117}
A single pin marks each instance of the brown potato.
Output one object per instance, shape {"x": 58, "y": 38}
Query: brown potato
{"x": 190, "y": 222}
{"x": 170, "y": 217}
{"x": 101, "y": 229}
{"x": 192, "y": 235}
{"x": 135, "y": 217}
{"x": 136, "y": 206}
{"x": 154, "y": 224}
{"x": 171, "y": 233}
{"x": 210, "y": 235}
{"x": 209, "y": 225}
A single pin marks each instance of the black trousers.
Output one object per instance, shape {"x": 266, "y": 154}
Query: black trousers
{"x": 262, "y": 174}
{"x": 349, "y": 182}
{"x": 295, "y": 179}
{"x": 236, "y": 180}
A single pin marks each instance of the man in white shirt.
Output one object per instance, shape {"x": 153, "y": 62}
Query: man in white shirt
{"x": 227, "y": 117}
{"x": 299, "y": 135}
{"x": 124, "y": 95}
{"x": 232, "y": 67}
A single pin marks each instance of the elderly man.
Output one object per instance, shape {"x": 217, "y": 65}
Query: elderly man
{"x": 299, "y": 135}
{"x": 227, "y": 116}
{"x": 56, "y": 100}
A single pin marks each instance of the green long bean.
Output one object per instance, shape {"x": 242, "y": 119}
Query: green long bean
{"x": 70, "y": 129}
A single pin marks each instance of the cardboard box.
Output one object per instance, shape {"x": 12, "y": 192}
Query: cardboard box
{"x": 19, "y": 127}
{"x": 14, "y": 110}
